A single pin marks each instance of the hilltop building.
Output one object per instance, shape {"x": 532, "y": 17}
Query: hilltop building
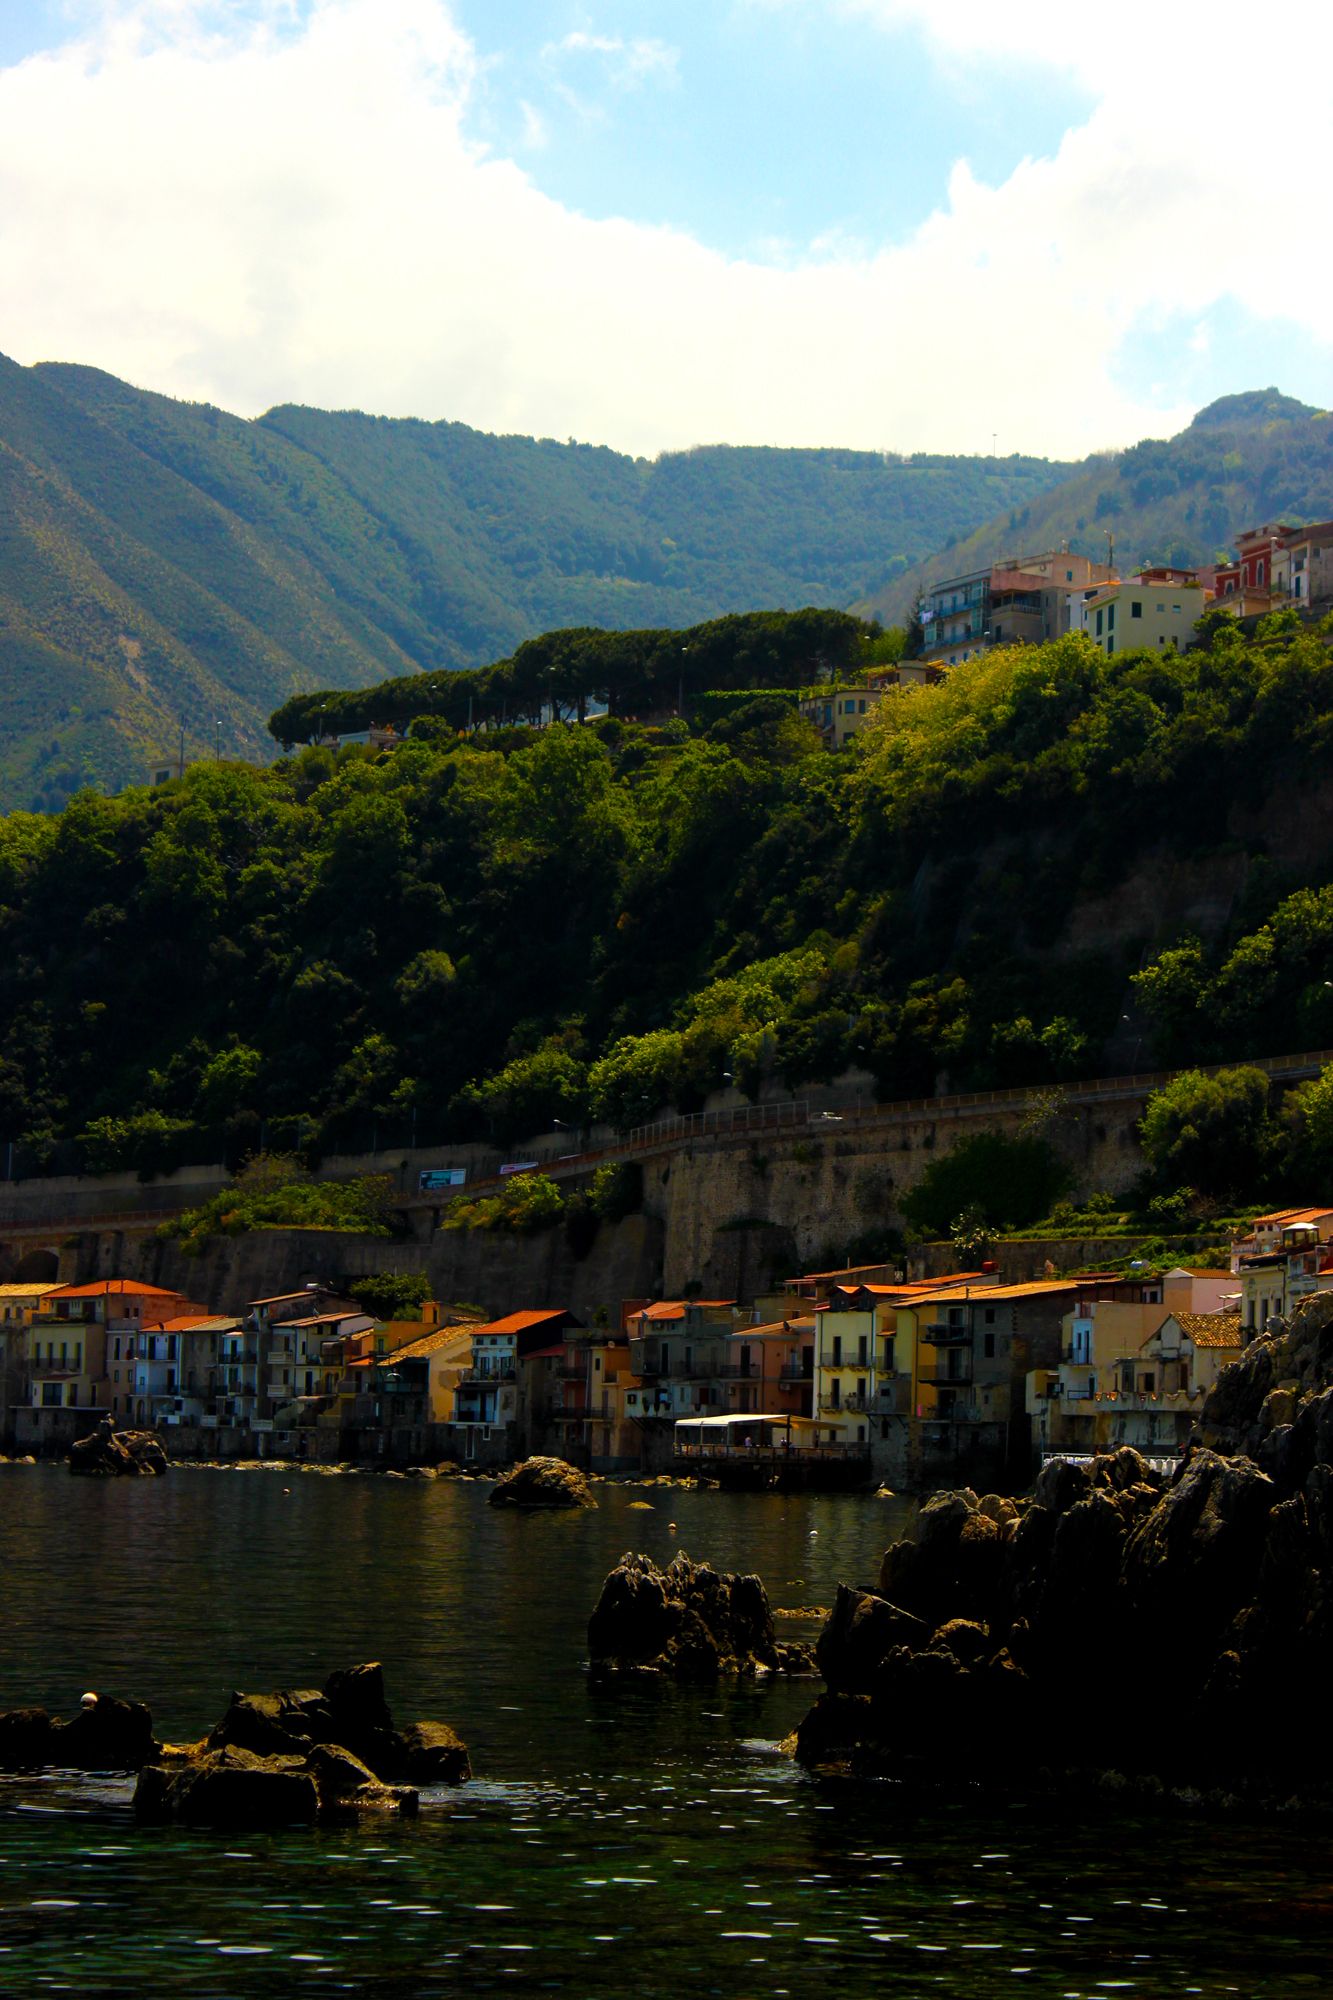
{"x": 1020, "y": 600}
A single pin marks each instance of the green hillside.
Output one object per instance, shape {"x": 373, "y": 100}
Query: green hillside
{"x": 1246, "y": 459}
{"x": 164, "y": 563}
{"x": 1052, "y": 865}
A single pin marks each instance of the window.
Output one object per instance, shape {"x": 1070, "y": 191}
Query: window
{"x": 988, "y": 1346}
{"x": 990, "y": 1315}
{"x": 1110, "y": 616}
{"x": 1136, "y": 607}
{"x": 1099, "y": 624}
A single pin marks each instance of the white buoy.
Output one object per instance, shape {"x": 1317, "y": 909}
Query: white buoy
{"x": 88, "y": 1701}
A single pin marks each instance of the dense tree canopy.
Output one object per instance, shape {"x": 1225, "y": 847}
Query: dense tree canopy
{"x": 496, "y": 934}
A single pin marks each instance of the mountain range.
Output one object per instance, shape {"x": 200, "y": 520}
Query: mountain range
{"x": 165, "y": 566}
{"x": 169, "y": 574}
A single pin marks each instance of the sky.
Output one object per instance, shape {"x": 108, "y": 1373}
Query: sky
{"x": 890, "y": 224}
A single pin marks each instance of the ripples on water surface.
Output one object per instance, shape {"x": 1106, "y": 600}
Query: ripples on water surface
{"x": 648, "y": 1841}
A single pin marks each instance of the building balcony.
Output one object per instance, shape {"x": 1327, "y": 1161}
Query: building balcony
{"x": 940, "y": 1380}
{"x": 795, "y": 1371}
{"x": 853, "y": 1404}
{"x": 55, "y": 1371}
{"x": 943, "y": 1333}
{"x": 483, "y": 1377}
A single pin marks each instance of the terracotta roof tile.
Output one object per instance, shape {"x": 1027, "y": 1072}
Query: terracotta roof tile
{"x": 1210, "y": 1329}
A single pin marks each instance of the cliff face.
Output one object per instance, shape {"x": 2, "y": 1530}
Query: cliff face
{"x": 495, "y": 1272}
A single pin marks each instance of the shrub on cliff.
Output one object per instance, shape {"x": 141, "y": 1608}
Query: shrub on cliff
{"x": 274, "y": 1192}
{"x": 525, "y": 1203}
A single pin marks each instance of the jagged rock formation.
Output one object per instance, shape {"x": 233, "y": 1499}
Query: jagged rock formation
{"x": 688, "y": 1620}
{"x": 1114, "y": 1620}
{"x": 275, "y": 1759}
{"x": 108, "y": 1453}
{"x": 543, "y": 1482}
{"x": 300, "y": 1755}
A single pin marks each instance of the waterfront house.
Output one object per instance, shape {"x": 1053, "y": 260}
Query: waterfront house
{"x": 175, "y": 1366}
{"x": 82, "y": 1352}
{"x": 260, "y": 1364}
{"x": 771, "y": 1368}
{"x": 678, "y": 1350}
{"x": 301, "y": 1381}
{"x": 491, "y": 1407}
{"x": 18, "y": 1303}
{"x": 1283, "y": 1256}
{"x": 1152, "y": 1399}
{"x": 586, "y": 1401}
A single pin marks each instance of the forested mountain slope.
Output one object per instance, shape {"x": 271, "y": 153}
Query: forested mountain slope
{"x": 163, "y": 563}
{"x": 478, "y": 936}
{"x": 1260, "y": 456}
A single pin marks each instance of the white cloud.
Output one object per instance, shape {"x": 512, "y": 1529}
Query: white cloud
{"x": 626, "y": 64}
{"x": 288, "y": 207}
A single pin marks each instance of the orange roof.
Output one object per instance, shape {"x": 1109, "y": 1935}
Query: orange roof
{"x": 519, "y": 1322}
{"x": 1288, "y": 1218}
{"x": 108, "y": 1287}
{"x": 986, "y": 1294}
{"x": 556, "y": 1353}
{"x": 187, "y": 1322}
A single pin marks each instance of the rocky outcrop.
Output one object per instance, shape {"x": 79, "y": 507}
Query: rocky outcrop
{"x": 1110, "y": 1620}
{"x": 108, "y": 1453}
{"x": 273, "y": 1760}
{"x": 302, "y": 1754}
{"x": 688, "y": 1620}
{"x": 543, "y": 1482}
{"x": 105, "y": 1735}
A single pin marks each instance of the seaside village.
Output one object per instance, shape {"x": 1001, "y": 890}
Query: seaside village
{"x": 840, "y": 1378}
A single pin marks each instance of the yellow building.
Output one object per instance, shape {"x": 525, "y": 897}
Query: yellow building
{"x": 1124, "y": 617}
{"x": 838, "y": 713}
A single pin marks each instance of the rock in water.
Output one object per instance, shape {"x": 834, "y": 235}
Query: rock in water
{"x": 109, "y": 1453}
{"x": 302, "y": 1754}
{"x": 108, "y": 1735}
{"x": 543, "y": 1482}
{"x": 689, "y": 1620}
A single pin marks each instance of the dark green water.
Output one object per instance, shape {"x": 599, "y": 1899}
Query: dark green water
{"x": 645, "y": 1842}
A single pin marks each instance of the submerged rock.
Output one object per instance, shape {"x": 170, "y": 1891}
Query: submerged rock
{"x": 543, "y": 1482}
{"x": 689, "y": 1620}
{"x": 109, "y": 1453}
